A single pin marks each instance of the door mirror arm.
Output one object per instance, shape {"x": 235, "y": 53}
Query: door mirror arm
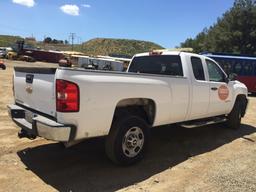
{"x": 232, "y": 76}
{"x": 227, "y": 80}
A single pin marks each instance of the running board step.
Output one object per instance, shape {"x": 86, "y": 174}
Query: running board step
{"x": 203, "y": 122}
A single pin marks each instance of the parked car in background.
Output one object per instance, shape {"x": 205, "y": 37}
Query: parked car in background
{"x": 65, "y": 62}
{"x": 3, "y": 52}
{"x": 101, "y": 63}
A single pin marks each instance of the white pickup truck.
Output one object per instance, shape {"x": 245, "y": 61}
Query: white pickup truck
{"x": 159, "y": 88}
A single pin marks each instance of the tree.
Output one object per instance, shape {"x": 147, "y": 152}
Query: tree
{"x": 55, "y": 41}
{"x": 234, "y": 32}
{"x": 48, "y": 40}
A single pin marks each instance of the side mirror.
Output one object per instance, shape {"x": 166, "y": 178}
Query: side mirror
{"x": 232, "y": 76}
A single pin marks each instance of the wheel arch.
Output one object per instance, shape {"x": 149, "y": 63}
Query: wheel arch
{"x": 242, "y": 98}
{"x": 143, "y": 107}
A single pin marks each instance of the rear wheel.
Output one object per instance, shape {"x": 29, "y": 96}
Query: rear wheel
{"x": 234, "y": 117}
{"x": 127, "y": 140}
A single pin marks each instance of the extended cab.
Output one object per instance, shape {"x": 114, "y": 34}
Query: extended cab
{"x": 159, "y": 88}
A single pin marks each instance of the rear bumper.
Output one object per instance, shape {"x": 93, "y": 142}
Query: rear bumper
{"x": 41, "y": 126}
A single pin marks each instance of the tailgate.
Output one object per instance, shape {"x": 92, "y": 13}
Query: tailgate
{"x": 35, "y": 88}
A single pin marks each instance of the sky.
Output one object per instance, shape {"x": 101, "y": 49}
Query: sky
{"x": 165, "y": 22}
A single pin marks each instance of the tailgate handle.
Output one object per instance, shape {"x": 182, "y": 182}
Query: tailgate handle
{"x": 29, "y": 78}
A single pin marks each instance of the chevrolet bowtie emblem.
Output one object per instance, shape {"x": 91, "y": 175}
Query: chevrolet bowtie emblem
{"x": 29, "y": 89}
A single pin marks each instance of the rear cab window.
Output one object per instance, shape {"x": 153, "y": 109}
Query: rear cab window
{"x": 157, "y": 64}
{"x": 198, "y": 69}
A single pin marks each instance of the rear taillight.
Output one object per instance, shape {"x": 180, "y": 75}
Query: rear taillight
{"x": 67, "y": 96}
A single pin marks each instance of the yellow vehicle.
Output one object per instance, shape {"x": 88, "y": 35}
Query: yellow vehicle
{"x": 11, "y": 55}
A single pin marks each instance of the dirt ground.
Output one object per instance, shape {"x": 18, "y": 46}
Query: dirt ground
{"x": 211, "y": 158}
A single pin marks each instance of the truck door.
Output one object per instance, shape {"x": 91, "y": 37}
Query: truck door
{"x": 220, "y": 91}
{"x": 200, "y": 89}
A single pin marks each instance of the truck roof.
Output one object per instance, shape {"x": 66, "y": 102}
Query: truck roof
{"x": 160, "y": 53}
{"x": 166, "y": 52}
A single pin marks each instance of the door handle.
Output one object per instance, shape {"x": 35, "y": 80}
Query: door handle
{"x": 214, "y": 88}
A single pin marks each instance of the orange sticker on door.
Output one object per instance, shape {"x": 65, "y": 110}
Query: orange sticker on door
{"x": 223, "y": 92}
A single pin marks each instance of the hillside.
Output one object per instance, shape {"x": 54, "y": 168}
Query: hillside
{"x": 102, "y": 46}
{"x": 8, "y": 40}
{"x": 97, "y": 46}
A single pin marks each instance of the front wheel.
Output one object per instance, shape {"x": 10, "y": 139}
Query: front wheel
{"x": 234, "y": 117}
{"x": 127, "y": 140}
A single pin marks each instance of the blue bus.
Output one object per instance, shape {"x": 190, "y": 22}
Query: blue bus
{"x": 242, "y": 65}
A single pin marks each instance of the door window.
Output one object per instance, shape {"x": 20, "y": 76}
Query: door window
{"x": 215, "y": 73}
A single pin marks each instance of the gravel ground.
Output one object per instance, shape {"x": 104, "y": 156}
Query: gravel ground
{"x": 211, "y": 158}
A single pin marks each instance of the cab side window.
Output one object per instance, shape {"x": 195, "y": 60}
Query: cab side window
{"x": 215, "y": 73}
{"x": 198, "y": 69}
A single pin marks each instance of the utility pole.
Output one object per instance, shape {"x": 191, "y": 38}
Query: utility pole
{"x": 72, "y": 36}
{"x": 44, "y": 41}
{"x": 79, "y": 41}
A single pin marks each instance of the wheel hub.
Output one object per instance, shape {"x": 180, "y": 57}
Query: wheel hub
{"x": 133, "y": 142}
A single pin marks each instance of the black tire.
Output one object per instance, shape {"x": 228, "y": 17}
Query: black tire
{"x": 235, "y": 116}
{"x": 3, "y": 67}
{"x": 121, "y": 139}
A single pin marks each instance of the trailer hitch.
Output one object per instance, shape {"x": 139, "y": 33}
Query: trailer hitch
{"x": 24, "y": 134}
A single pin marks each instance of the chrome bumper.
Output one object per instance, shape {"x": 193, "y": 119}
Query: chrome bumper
{"x": 41, "y": 126}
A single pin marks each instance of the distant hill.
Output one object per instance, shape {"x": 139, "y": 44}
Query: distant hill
{"x": 97, "y": 46}
{"x": 8, "y": 40}
{"x": 104, "y": 46}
